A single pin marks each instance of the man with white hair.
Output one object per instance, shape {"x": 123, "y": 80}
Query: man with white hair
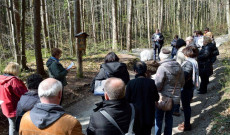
{"x": 116, "y": 106}
{"x": 48, "y": 117}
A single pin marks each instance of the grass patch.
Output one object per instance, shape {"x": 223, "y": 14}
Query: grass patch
{"x": 221, "y": 121}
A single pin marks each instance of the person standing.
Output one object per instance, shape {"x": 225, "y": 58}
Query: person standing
{"x": 173, "y": 44}
{"x": 205, "y": 64}
{"x": 29, "y": 99}
{"x": 55, "y": 68}
{"x": 116, "y": 106}
{"x": 191, "y": 75}
{"x": 142, "y": 92}
{"x": 169, "y": 81}
{"x": 11, "y": 89}
{"x": 157, "y": 43}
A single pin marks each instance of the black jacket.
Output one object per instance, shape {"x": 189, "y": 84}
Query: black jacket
{"x": 119, "y": 110}
{"x": 188, "y": 70}
{"x": 160, "y": 39}
{"x": 112, "y": 69}
{"x": 26, "y": 103}
{"x": 142, "y": 92}
{"x": 204, "y": 60}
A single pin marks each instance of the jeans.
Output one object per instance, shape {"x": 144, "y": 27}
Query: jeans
{"x": 204, "y": 83}
{"x": 186, "y": 95}
{"x": 159, "y": 116}
{"x": 12, "y": 127}
{"x": 157, "y": 50}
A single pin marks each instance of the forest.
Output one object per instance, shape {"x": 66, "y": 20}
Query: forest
{"x": 29, "y": 29}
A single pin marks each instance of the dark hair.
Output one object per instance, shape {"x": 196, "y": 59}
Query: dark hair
{"x": 140, "y": 67}
{"x": 179, "y": 43}
{"x": 190, "y": 51}
{"x": 206, "y": 29}
{"x": 176, "y": 36}
{"x": 33, "y": 81}
{"x": 55, "y": 52}
{"x": 199, "y": 32}
{"x": 111, "y": 57}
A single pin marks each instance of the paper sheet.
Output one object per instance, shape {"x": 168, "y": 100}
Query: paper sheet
{"x": 1, "y": 101}
{"x": 70, "y": 66}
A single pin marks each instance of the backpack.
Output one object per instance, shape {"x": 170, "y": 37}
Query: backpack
{"x": 130, "y": 131}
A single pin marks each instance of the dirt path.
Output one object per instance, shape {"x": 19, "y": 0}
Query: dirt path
{"x": 202, "y": 105}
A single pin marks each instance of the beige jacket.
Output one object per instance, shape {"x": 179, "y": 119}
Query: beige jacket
{"x": 65, "y": 125}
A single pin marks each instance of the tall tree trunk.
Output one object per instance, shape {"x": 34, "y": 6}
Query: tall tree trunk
{"x": 114, "y": 24}
{"x": 162, "y": 14}
{"x": 17, "y": 26}
{"x": 93, "y": 23}
{"x": 148, "y": 27}
{"x": 45, "y": 32}
{"x": 77, "y": 29}
{"x": 47, "y": 26}
{"x": 228, "y": 16}
{"x": 37, "y": 38}
{"x": 102, "y": 23}
{"x": 24, "y": 67}
{"x": 71, "y": 30}
{"x": 129, "y": 26}
{"x": 178, "y": 17}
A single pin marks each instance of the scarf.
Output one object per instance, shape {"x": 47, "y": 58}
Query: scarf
{"x": 195, "y": 71}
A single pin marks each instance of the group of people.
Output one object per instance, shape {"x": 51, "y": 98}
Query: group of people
{"x": 128, "y": 106}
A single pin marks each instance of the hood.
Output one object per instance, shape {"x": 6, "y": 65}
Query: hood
{"x": 113, "y": 67}
{"x": 31, "y": 96}
{"x": 43, "y": 115}
{"x": 49, "y": 62}
{"x": 171, "y": 65}
{"x": 5, "y": 78}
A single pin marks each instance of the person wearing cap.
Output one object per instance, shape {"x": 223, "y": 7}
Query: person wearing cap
{"x": 169, "y": 81}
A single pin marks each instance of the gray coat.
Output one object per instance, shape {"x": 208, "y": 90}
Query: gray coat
{"x": 168, "y": 73}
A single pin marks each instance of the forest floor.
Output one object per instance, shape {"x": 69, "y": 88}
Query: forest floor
{"x": 80, "y": 102}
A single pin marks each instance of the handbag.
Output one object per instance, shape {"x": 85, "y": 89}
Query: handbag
{"x": 111, "y": 120}
{"x": 166, "y": 103}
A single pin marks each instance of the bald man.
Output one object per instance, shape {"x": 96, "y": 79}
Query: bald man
{"x": 116, "y": 106}
{"x": 48, "y": 117}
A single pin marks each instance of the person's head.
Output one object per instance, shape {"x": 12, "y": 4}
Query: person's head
{"x": 189, "y": 40}
{"x": 140, "y": 67}
{"x": 33, "y": 81}
{"x": 195, "y": 33}
{"x": 50, "y": 91}
{"x": 190, "y": 51}
{"x": 209, "y": 34}
{"x": 206, "y": 30}
{"x": 165, "y": 54}
{"x": 207, "y": 40}
{"x": 179, "y": 43}
{"x": 56, "y": 52}
{"x": 12, "y": 68}
{"x": 114, "y": 89}
{"x": 176, "y": 37}
{"x": 199, "y": 33}
{"x": 111, "y": 57}
{"x": 157, "y": 31}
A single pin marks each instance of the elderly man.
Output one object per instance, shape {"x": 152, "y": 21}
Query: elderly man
{"x": 116, "y": 106}
{"x": 48, "y": 117}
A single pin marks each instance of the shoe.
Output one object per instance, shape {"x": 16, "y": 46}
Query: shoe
{"x": 181, "y": 127}
{"x": 176, "y": 114}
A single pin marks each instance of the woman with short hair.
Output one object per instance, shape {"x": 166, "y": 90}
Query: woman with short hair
{"x": 11, "y": 89}
{"x": 191, "y": 75}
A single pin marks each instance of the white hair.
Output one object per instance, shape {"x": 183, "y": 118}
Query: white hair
{"x": 47, "y": 90}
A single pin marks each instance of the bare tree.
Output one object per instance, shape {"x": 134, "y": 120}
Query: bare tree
{"x": 129, "y": 26}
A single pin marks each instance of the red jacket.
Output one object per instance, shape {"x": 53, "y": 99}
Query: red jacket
{"x": 11, "y": 89}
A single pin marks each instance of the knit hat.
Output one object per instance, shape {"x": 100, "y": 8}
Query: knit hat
{"x": 165, "y": 54}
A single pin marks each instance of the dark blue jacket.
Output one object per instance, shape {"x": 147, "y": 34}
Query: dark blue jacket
{"x": 26, "y": 103}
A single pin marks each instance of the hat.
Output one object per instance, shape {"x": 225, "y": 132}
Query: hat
{"x": 165, "y": 54}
